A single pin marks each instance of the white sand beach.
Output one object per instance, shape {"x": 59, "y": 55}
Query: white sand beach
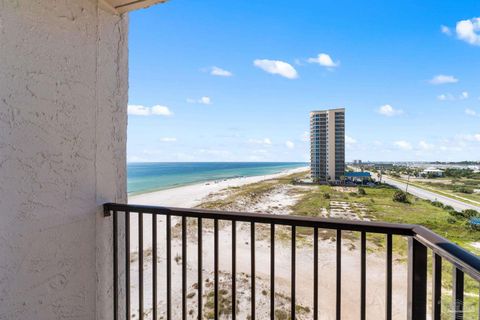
{"x": 277, "y": 201}
{"x": 193, "y": 195}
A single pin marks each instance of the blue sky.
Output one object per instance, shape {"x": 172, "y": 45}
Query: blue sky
{"x": 236, "y": 80}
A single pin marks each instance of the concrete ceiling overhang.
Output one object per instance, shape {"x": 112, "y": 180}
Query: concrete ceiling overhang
{"x": 122, "y": 6}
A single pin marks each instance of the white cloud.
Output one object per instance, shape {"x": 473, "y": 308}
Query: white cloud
{"x": 445, "y": 97}
{"x": 289, "y": 144}
{"x": 139, "y": 110}
{"x": 477, "y": 137}
{"x": 325, "y": 60}
{"x": 404, "y": 145}
{"x": 463, "y": 95}
{"x": 216, "y": 71}
{"x": 471, "y": 112}
{"x": 450, "y": 97}
{"x": 469, "y": 31}
{"x": 168, "y": 139}
{"x": 443, "y": 79}
{"x": 205, "y": 100}
{"x": 265, "y": 141}
{"x": 471, "y": 137}
{"x": 389, "y": 111}
{"x": 161, "y": 110}
{"x": 350, "y": 140}
{"x": 281, "y": 68}
{"x": 202, "y": 100}
{"x": 446, "y": 30}
{"x": 425, "y": 145}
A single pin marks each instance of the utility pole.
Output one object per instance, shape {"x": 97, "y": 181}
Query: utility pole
{"x": 408, "y": 180}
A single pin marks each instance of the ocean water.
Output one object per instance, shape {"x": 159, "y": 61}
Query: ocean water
{"x": 153, "y": 176}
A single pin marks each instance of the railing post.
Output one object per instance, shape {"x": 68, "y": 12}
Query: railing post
{"x": 417, "y": 280}
{"x": 458, "y": 288}
{"x": 436, "y": 287}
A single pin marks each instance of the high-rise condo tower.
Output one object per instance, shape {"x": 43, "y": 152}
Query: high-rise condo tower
{"x": 327, "y": 140}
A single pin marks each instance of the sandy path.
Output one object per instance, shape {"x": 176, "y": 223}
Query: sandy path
{"x": 193, "y": 195}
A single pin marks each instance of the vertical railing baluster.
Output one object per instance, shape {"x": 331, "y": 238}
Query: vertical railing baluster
{"x": 272, "y": 271}
{"x": 140, "y": 265}
{"x": 388, "y": 289}
{"x": 200, "y": 267}
{"x": 184, "y": 268}
{"x": 234, "y": 270}
{"x": 215, "y": 263}
{"x": 115, "y": 266}
{"x": 363, "y": 275}
{"x": 154, "y": 266}
{"x": 315, "y": 274}
{"x": 458, "y": 288}
{"x": 169, "y": 267}
{"x": 436, "y": 287}
{"x": 417, "y": 280}
{"x": 294, "y": 271}
{"x": 252, "y": 268}
{"x": 338, "y": 310}
{"x": 127, "y": 264}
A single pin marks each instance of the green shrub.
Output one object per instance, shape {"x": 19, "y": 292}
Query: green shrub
{"x": 465, "y": 214}
{"x": 448, "y": 208}
{"x": 464, "y": 189}
{"x": 475, "y": 227}
{"x": 437, "y": 204}
{"x": 400, "y": 196}
{"x": 451, "y": 220}
{"x": 281, "y": 315}
{"x": 456, "y": 214}
{"x": 362, "y": 192}
{"x": 326, "y": 195}
{"x": 470, "y": 213}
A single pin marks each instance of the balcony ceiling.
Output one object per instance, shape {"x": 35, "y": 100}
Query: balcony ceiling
{"x": 122, "y": 6}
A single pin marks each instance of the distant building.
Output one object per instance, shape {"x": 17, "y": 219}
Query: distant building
{"x": 358, "y": 176}
{"x": 327, "y": 140}
{"x": 381, "y": 166}
{"x": 432, "y": 172}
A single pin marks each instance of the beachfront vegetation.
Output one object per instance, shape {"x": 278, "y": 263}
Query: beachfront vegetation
{"x": 467, "y": 188}
{"x": 377, "y": 203}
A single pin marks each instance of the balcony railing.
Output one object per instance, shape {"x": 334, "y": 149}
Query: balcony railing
{"x": 420, "y": 241}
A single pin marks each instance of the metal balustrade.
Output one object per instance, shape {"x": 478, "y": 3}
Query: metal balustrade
{"x": 420, "y": 240}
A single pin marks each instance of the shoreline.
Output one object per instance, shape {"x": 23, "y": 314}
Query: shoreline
{"x": 193, "y": 194}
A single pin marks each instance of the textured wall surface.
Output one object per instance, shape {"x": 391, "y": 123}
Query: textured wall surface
{"x": 63, "y": 97}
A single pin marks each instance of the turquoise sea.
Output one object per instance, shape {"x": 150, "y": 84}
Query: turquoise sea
{"x": 152, "y": 176}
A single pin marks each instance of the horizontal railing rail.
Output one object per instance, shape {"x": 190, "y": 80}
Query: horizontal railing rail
{"x": 419, "y": 238}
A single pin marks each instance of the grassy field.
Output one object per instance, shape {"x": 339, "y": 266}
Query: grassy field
{"x": 381, "y": 207}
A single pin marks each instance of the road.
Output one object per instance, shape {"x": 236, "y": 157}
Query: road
{"x": 429, "y": 195}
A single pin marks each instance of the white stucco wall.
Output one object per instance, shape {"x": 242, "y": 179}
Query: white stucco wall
{"x": 63, "y": 98}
